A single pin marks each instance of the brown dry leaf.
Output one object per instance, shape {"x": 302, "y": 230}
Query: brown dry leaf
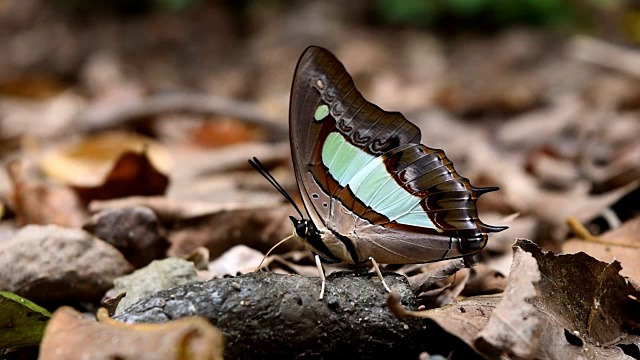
{"x": 484, "y": 280}
{"x": 110, "y": 165}
{"x": 37, "y": 86}
{"x": 533, "y": 129}
{"x": 53, "y": 264}
{"x": 524, "y": 195}
{"x": 581, "y": 307}
{"x": 513, "y": 327}
{"x": 170, "y": 210}
{"x": 39, "y": 118}
{"x": 621, "y": 244}
{"x": 70, "y": 335}
{"x": 38, "y": 202}
{"x": 256, "y": 227}
{"x": 222, "y": 132}
{"x": 463, "y": 319}
{"x": 132, "y": 174}
{"x": 239, "y": 259}
{"x": 421, "y": 282}
{"x": 585, "y": 297}
{"x": 553, "y": 171}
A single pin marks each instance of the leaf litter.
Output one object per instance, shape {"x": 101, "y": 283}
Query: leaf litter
{"x": 151, "y": 171}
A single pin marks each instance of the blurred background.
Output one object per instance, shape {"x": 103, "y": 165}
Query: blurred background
{"x": 539, "y": 97}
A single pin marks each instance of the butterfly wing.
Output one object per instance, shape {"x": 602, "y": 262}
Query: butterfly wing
{"x": 362, "y": 171}
{"x": 324, "y": 101}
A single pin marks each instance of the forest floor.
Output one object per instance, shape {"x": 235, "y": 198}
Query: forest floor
{"x": 125, "y": 139}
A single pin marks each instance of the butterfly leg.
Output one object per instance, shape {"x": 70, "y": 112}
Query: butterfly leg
{"x": 321, "y": 272}
{"x": 377, "y": 268}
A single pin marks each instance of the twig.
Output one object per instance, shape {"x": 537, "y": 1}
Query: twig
{"x": 581, "y": 232}
{"x": 100, "y": 117}
{"x": 607, "y": 55}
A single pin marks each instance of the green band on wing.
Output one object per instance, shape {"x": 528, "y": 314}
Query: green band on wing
{"x": 321, "y": 112}
{"x": 368, "y": 179}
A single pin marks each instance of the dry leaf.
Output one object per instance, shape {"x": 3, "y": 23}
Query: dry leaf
{"x": 513, "y": 326}
{"x": 38, "y": 202}
{"x": 110, "y": 165}
{"x": 256, "y": 227}
{"x": 421, "y": 282}
{"x": 525, "y": 196}
{"x": 171, "y": 210}
{"x": 132, "y": 174}
{"x": 585, "y": 296}
{"x": 222, "y": 132}
{"x": 484, "y": 280}
{"x": 89, "y": 162}
{"x": 463, "y": 319}
{"x": 621, "y": 244}
{"x": 70, "y": 335}
{"x": 240, "y": 259}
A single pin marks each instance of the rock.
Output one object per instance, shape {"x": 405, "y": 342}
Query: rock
{"x": 54, "y": 264}
{"x": 159, "y": 275}
{"x": 135, "y": 231}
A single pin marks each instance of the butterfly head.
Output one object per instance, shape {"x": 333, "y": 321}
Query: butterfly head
{"x": 304, "y": 229}
{"x": 307, "y": 232}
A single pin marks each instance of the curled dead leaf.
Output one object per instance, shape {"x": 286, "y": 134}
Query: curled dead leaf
{"x": 110, "y": 165}
{"x": 87, "y": 162}
{"x": 585, "y": 296}
{"x": 463, "y": 319}
{"x": 70, "y": 335}
{"x": 513, "y": 327}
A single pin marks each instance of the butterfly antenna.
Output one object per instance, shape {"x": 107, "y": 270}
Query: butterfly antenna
{"x": 265, "y": 173}
{"x": 270, "y": 250}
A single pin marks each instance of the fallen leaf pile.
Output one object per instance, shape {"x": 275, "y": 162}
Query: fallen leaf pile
{"x": 125, "y": 189}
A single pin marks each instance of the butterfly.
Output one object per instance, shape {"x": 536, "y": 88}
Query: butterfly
{"x": 371, "y": 190}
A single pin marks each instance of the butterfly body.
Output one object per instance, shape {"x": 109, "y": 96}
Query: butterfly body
{"x": 370, "y": 189}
